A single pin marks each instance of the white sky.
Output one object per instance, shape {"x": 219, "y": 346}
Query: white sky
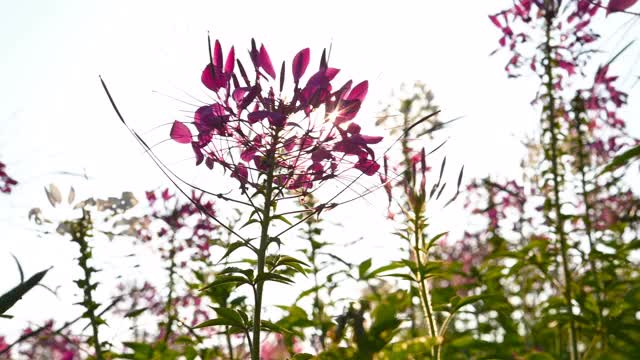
{"x": 55, "y": 116}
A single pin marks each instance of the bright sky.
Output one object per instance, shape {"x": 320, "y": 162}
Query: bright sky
{"x": 56, "y": 118}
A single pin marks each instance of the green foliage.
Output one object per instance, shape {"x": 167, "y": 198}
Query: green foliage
{"x": 11, "y": 297}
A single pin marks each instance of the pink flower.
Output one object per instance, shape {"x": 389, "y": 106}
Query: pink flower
{"x": 303, "y": 137}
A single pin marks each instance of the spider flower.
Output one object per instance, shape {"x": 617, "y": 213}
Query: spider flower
{"x": 261, "y": 128}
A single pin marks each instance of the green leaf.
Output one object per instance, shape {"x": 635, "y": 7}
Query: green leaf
{"x": 249, "y": 222}
{"x": 393, "y": 266}
{"x": 433, "y": 240}
{"x": 135, "y": 313}
{"x": 308, "y": 292}
{"x": 401, "y": 276}
{"x": 469, "y": 300}
{"x": 282, "y": 218}
{"x": 220, "y": 280}
{"x": 294, "y": 263}
{"x": 229, "y": 314}
{"x": 231, "y": 248}
{"x": 363, "y": 267}
{"x": 8, "y": 299}
{"x": 269, "y": 326}
{"x": 302, "y": 356}
{"x": 140, "y": 350}
{"x": 215, "y": 322}
{"x": 273, "y": 277}
{"x": 622, "y": 159}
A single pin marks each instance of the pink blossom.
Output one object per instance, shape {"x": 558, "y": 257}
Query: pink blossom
{"x": 304, "y": 136}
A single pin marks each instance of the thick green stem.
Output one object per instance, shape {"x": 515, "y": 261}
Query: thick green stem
{"x": 423, "y": 286}
{"x": 555, "y": 173}
{"x": 582, "y": 163}
{"x": 81, "y": 229}
{"x": 262, "y": 250}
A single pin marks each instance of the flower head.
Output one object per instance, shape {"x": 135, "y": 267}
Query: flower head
{"x": 295, "y": 135}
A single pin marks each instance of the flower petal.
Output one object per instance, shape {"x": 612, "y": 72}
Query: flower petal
{"x": 367, "y": 166}
{"x": 619, "y": 5}
{"x": 231, "y": 61}
{"x": 217, "y": 55}
{"x": 300, "y": 63}
{"x": 180, "y": 132}
{"x": 265, "y": 62}
{"x": 359, "y": 91}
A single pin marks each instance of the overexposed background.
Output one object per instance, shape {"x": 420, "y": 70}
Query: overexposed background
{"x": 57, "y": 124}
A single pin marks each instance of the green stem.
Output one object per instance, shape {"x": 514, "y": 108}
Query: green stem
{"x": 559, "y": 226}
{"x": 169, "y": 303}
{"x": 229, "y": 344}
{"x": 79, "y": 234}
{"x": 423, "y": 286}
{"x": 318, "y": 309}
{"x": 579, "y": 109}
{"x": 262, "y": 250}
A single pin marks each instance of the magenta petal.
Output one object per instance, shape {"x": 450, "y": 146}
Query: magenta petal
{"x": 217, "y": 55}
{"x": 207, "y": 78}
{"x": 371, "y": 139}
{"x": 240, "y": 173}
{"x": 198, "y": 152}
{"x": 209, "y": 162}
{"x": 494, "y": 20}
{"x": 344, "y": 90}
{"x": 300, "y": 63}
{"x": 256, "y": 116}
{"x": 330, "y": 73}
{"x": 231, "y": 61}
{"x": 248, "y": 154}
{"x": 619, "y": 5}
{"x": 277, "y": 119}
{"x": 359, "y": 91}
{"x": 353, "y": 128}
{"x": 239, "y": 94}
{"x": 265, "y": 62}
{"x": 368, "y": 167}
{"x": 180, "y": 133}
